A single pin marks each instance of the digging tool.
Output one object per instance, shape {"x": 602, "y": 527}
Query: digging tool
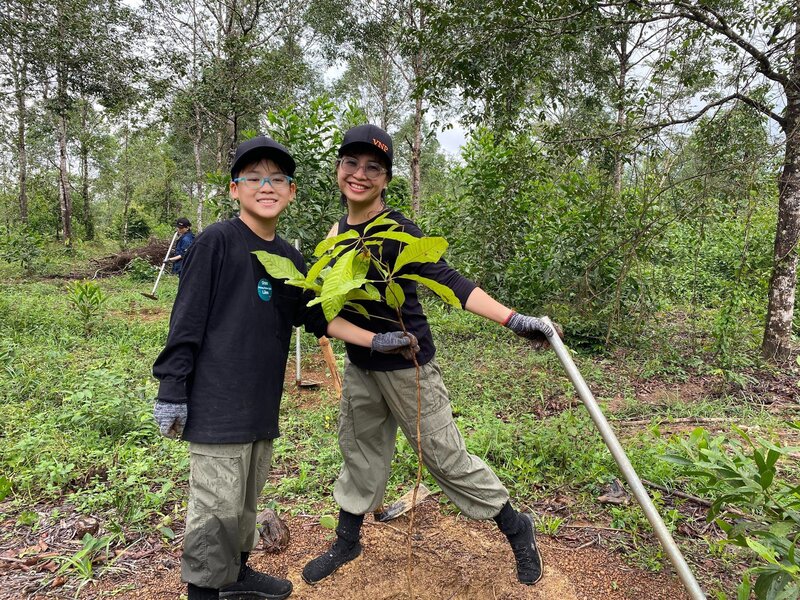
{"x": 298, "y": 380}
{"x": 330, "y": 360}
{"x": 402, "y": 506}
{"x": 152, "y": 295}
{"x": 649, "y": 509}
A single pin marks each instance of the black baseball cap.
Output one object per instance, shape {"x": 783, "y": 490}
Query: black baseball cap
{"x": 266, "y": 147}
{"x": 372, "y": 136}
{"x": 183, "y": 222}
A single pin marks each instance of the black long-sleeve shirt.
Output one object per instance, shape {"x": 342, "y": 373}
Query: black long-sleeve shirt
{"x": 229, "y": 336}
{"x": 382, "y": 317}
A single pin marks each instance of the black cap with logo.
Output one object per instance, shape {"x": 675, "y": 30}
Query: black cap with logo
{"x": 369, "y": 135}
{"x": 266, "y": 147}
{"x": 183, "y": 222}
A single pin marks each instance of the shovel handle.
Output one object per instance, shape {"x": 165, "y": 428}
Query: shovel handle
{"x": 639, "y": 492}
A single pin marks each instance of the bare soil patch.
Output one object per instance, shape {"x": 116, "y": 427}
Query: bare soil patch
{"x": 454, "y": 558}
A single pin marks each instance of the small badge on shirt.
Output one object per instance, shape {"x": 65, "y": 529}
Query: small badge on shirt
{"x": 265, "y": 290}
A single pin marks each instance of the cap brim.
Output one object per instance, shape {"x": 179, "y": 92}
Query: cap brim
{"x": 283, "y": 160}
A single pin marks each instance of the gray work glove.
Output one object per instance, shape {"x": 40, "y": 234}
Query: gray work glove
{"x": 171, "y": 418}
{"x": 396, "y": 342}
{"x": 534, "y": 329}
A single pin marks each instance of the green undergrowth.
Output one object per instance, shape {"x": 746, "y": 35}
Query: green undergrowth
{"x": 76, "y": 425}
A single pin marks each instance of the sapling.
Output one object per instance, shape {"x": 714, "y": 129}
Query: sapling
{"x": 339, "y": 280}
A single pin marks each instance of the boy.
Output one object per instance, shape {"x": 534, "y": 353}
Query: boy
{"x": 182, "y": 247}
{"x": 222, "y": 369}
{"x": 380, "y": 390}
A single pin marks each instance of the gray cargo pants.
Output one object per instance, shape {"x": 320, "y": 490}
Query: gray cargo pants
{"x": 224, "y": 483}
{"x": 373, "y": 404}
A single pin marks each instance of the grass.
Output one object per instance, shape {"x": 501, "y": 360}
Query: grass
{"x": 75, "y": 417}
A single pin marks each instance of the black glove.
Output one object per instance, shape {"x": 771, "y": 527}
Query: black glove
{"x": 171, "y": 418}
{"x": 396, "y": 342}
{"x": 533, "y": 328}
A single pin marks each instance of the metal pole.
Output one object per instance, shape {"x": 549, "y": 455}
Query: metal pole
{"x": 297, "y": 377}
{"x": 164, "y": 263}
{"x": 661, "y": 531}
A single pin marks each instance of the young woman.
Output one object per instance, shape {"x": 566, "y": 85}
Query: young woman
{"x": 380, "y": 393}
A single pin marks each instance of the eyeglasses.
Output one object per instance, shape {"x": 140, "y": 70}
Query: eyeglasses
{"x": 350, "y": 166}
{"x": 277, "y": 182}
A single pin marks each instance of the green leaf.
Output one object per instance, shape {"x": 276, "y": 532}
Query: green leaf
{"x": 743, "y": 591}
{"x": 381, "y": 220}
{"x": 328, "y": 522}
{"x": 332, "y": 306}
{"x": 5, "y": 487}
{"x": 423, "y": 250}
{"x": 329, "y": 243}
{"x": 278, "y": 267}
{"x": 167, "y": 532}
{"x": 360, "y": 294}
{"x": 358, "y": 308}
{"x": 677, "y": 460}
{"x": 317, "y": 267}
{"x": 395, "y": 297}
{"x": 400, "y": 236}
{"x": 766, "y": 554}
{"x": 444, "y": 292}
{"x": 360, "y": 265}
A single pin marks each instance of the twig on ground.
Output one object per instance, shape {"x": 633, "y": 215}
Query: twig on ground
{"x": 695, "y": 499}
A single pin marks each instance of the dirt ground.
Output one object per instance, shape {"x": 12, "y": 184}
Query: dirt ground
{"x": 453, "y": 559}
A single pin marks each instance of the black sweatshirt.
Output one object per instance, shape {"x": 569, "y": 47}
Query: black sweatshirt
{"x": 382, "y": 317}
{"x": 229, "y": 336}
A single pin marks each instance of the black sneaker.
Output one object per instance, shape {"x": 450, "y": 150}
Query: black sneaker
{"x": 341, "y": 552}
{"x": 254, "y": 586}
{"x": 529, "y": 561}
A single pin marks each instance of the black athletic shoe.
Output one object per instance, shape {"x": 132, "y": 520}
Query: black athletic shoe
{"x": 529, "y": 561}
{"x": 254, "y": 586}
{"x": 341, "y": 552}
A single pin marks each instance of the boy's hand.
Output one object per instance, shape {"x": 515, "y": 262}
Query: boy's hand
{"x": 534, "y": 329}
{"x": 171, "y": 418}
{"x": 396, "y": 342}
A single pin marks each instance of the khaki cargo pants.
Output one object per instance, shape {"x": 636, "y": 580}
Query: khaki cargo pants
{"x": 373, "y": 404}
{"x": 225, "y": 481}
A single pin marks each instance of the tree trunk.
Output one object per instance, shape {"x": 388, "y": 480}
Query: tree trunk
{"x": 88, "y": 220}
{"x": 198, "y": 169}
{"x": 621, "y": 83}
{"x": 780, "y": 311}
{"x": 22, "y": 156}
{"x": 416, "y": 151}
{"x": 18, "y": 62}
{"x": 416, "y": 146}
{"x": 126, "y": 192}
{"x": 64, "y": 197}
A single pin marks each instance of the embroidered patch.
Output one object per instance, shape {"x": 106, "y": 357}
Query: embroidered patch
{"x": 265, "y": 290}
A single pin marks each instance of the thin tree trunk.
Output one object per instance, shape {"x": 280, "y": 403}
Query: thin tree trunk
{"x": 621, "y": 83}
{"x": 416, "y": 151}
{"x": 416, "y": 146}
{"x": 64, "y": 197}
{"x": 88, "y": 220}
{"x": 22, "y": 156}
{"x": 19, "y": 73}
{"x": 198, "y": 170}
{"x": 126, "y": 192}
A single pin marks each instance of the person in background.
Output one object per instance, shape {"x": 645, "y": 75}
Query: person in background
{"x": 182, "y": 247}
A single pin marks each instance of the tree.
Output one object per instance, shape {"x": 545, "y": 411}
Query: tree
{"x": 75, "y": 64}
{"x": 764, "y": 72}
{"x": 17, "y": 38}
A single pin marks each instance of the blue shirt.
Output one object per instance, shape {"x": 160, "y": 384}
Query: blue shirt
{"x": 181, "y": 248}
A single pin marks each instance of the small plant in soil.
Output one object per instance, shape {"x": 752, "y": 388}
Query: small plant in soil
{"x": 339, "y": 280}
